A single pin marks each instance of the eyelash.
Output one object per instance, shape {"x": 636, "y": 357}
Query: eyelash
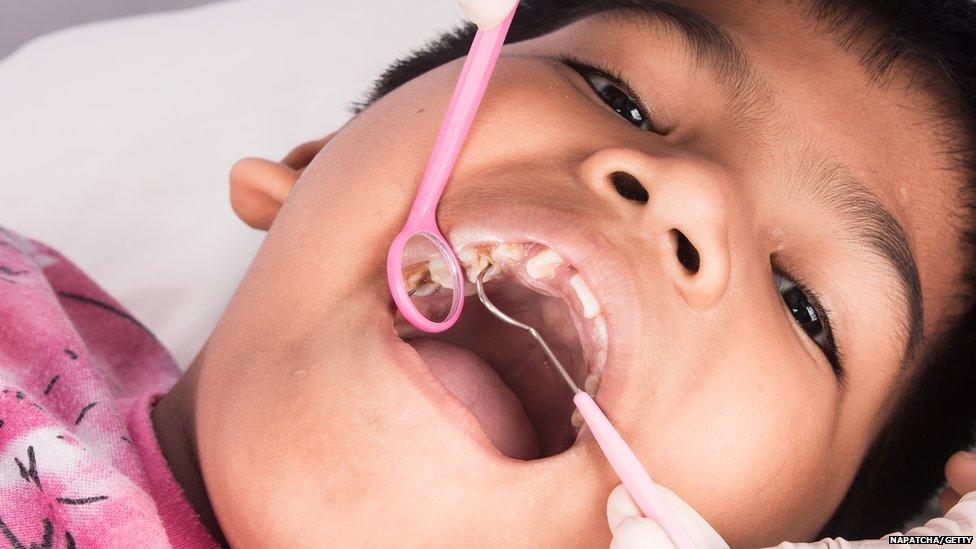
{"x": 785, "y": 281}
{"x": 588, "y": 69}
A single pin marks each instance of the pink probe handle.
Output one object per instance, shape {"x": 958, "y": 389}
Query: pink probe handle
{"x": 632, "y": 474}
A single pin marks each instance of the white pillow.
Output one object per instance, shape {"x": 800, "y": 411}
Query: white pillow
{"x": 117, "y": 137}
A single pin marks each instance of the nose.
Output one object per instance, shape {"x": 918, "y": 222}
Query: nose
{"x": 679, "y": 205}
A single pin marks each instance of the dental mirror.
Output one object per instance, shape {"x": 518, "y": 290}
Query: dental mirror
{"x": 432, "y": 280}
{"x": 413, "y": 256}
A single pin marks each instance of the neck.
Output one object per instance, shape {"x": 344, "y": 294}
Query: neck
{"x": 172, "y": 419}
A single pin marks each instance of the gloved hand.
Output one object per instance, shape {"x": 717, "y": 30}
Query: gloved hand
{"x": 960, "y": 472}
{"x": 632, "y": 531}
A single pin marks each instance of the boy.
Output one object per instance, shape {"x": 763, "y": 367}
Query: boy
{"x": 768, "y": 203}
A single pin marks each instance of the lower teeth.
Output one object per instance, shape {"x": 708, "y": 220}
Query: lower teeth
{"x": 592, "y": 384}
{"x": 576, "y": 420}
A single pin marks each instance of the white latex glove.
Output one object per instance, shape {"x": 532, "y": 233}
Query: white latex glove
{"x": 632, "y": 531}
{"x": 487, "y": 14}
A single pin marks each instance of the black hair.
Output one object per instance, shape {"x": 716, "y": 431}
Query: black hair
{"x": 936, "y": 39}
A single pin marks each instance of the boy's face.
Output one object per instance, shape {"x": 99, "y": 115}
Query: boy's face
{"x": 316, "y": 421}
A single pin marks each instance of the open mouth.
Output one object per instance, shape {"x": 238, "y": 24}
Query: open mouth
{"x": 498, "y": 371}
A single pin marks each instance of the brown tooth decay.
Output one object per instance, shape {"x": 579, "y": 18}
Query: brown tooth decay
{"x": 415, "y": 275}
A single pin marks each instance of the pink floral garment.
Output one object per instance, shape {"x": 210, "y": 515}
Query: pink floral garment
{"x": 79, "y": 461}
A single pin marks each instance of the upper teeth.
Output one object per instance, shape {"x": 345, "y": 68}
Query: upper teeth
{"x": 600, "y": 330}
{"x": 414, "y": 275}
{"x": 586, "y": 298}
{"x": 477, "y": 258}
{"x": 543, "y": 264}
{"x": 545, "y": 270}
{"x": 440, "y": 272}
{"x": 507, "y": 252}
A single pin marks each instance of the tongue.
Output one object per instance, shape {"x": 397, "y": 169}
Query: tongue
{"x": 475, "y": 384}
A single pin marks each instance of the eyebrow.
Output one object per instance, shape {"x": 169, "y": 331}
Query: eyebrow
{"x": 864, "y": 215}
{"x": 870, "y": 224}
{"x": 712, "y": 46}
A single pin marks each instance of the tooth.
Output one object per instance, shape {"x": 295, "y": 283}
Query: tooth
{"x": 474, "y": 262}
{"x": 601, "y": 359}
{"x": 494, "y": 270}
{"x": 592, "y": 384}
{"x": 507, "y": 252}
{"x": 590, "y": 306}
{"x": 425, "y": 290}
{"x": 544, "y": 264}
{"x": 413, "y": 275}
{"x": 576, "y": 419}
{"x": 600, "y": 331}
{"x": 469, "y": 258}
{"x": 440, "y": 272}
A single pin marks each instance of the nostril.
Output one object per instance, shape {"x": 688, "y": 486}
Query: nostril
{"x": 686, "y": 252}
{"x": 629, "y": 187}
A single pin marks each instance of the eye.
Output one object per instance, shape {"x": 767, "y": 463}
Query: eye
{"x": 811, "y": 316}
{"x": 614, "y": 92}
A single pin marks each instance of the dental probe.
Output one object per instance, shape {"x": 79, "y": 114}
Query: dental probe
{"x": 621, "y": 458}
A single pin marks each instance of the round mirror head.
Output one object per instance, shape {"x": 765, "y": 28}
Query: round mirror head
{"x": 431, "y": 277}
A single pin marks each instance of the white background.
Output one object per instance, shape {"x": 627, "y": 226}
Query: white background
{"x": 116, "y": 138}
{"x": 21, "y": 20}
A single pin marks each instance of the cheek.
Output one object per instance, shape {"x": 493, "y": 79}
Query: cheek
{"x": 743, "y": 433}
{"x": 760, "y": 442}
{"x": 334, "y": 230}
{"x": 534, "y": 115}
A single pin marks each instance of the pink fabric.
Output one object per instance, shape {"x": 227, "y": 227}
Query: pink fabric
{"x": 79, "y": 462}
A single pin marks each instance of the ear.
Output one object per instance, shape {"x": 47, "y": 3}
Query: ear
{"x": 259, "y": 187}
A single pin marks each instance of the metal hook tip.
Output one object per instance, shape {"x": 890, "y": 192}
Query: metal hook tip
{"x": 483, "y": 297}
